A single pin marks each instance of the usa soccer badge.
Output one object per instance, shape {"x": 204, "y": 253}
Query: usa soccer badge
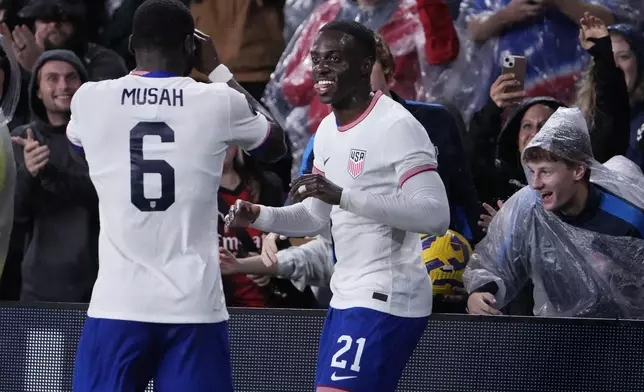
{"x": 356, "y": 162}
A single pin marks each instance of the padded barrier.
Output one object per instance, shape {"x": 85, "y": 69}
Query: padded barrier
{"x": 275, "y": 350}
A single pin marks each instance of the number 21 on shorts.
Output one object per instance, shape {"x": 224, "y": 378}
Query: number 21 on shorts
{"x": 336, "y": 362}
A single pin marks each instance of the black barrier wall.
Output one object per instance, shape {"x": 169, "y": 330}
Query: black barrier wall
{"x": 275, "y": 351}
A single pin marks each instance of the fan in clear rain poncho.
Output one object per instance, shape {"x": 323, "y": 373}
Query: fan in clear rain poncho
{"x": 576, "y": 231}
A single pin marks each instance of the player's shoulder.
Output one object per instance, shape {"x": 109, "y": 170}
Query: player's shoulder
{"x": 391, "y": 116}
{"x": 387, "y": 111}
{"x": 215, "y": 92}
{"x": 328, "y": 123}
{"x": 327, "y": 126}
{"x": 96, "y": 89}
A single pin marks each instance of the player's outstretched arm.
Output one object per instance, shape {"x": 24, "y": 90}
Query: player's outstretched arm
{"x": 305, "y": 219}
{"x": 249, "y": 130}
{"x": 309, "y": 264}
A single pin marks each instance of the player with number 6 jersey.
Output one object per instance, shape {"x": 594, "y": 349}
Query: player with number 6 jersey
{"x": 155, "y": 142}
{"x": 376, "y": 184}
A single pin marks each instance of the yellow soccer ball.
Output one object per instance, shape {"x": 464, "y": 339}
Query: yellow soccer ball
{"x": 445, "y": 258}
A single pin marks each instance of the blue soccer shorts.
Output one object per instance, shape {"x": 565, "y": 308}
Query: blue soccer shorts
{"x": 363, "y": 350}
{"x": 118, "y": 355}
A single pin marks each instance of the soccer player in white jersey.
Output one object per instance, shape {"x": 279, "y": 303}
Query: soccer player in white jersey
{"x": 377, "y": 185}
{"x": 155, "y": 142}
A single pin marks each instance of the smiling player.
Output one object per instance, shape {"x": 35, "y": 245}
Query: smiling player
{"x": 376, "y": 183}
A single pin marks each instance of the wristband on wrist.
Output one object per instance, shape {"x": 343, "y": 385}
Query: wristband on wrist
{"x": 221, "y": 74}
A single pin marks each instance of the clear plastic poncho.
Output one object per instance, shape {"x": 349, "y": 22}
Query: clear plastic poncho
{"x": 295, "y": 13}
{"x": 290, "y": 95}
{"x": 576, "y": 272}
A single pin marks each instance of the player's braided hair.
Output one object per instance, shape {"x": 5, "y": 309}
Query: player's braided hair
{"x": 360, "y": 33}
{"x": 161, "y": 25}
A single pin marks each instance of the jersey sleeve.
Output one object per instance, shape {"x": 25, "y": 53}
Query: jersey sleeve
{"x": 410, "y": 150}
{"x": 74, "y": 128}
{"x": 248, "y": 128}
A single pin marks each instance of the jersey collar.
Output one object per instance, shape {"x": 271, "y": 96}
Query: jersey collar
{"x": 153, "y": 74}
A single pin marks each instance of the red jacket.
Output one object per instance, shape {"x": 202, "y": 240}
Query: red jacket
{"x": 412, "y": 17}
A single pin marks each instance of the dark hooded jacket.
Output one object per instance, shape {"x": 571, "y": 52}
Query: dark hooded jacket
{"x": 56, "y": 211}
{"x": 493, "y": 149}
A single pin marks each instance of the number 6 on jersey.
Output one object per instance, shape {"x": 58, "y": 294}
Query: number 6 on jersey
{"x": 140, "y": 167}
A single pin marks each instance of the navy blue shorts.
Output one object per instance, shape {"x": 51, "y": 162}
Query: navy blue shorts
{"x": 363, "y": 350}
{"x": 118, "y": 355}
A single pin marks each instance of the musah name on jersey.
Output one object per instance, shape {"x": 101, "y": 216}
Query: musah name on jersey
{"x": 152, "y": 96}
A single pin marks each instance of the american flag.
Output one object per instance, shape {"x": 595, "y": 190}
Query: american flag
{"x": 356, "y": 162}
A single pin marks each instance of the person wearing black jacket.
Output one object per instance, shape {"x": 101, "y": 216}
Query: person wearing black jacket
{"x": 56, "y": 207}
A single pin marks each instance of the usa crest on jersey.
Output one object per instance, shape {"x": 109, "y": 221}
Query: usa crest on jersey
{"x": 356, "y": 162}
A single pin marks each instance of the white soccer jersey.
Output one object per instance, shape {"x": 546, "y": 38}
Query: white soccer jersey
{"x": 378, "y": 266}
{"x": 155, "y": 149}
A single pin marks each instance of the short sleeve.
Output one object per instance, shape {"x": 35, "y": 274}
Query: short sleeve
{"x": 410, "y": 150}
{"x": 248, "y": 128}
{"x": 74, "y": 130}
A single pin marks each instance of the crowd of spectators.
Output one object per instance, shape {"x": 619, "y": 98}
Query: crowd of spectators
{"x": 442, "y": 61}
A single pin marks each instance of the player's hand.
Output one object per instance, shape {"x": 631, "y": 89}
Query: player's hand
{"x": 269, "y": 249}
{"x": 25, "y": 47}
{"x": 521, "y": 10}
{"x": 481, "y": 303}
{"x": 485, "y": 221}
{"x": 498, "y": 93}
{"x": 207, "y": 57}
{"x": 241, "y": 214}
{"x": 36, "y": 156}
{"x": 228, "y": 263}
{"x": 591, "y": 28}
{"x": 315, "y": 185}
